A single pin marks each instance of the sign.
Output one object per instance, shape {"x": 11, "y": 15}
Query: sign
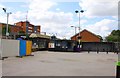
{"x": 51, "y": 45}
{"x": 7, "y": 34}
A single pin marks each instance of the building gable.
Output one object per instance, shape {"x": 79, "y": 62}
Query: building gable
{"x": 87, "y": 36}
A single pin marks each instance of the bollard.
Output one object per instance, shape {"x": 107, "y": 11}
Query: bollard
{"x": 117, "y": 52}
{"x": 118, "y": 70}
{"x": 107, "y": 52}
{"x": 97, "y": 51}
{"x": 88, "y": 51}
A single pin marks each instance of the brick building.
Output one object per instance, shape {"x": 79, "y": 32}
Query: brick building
{"x": 86, "y": 36}
{"x": 13, "y": 28}
{"x": 28, "y": 28}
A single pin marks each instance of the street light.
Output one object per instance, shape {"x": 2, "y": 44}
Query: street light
{"x": 75, "y": 30}
{"x": 79, "y": 24}
{"x": 8, "y": 13}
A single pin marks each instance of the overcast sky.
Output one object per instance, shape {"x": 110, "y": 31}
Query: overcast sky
{"x": 100, "y": 16}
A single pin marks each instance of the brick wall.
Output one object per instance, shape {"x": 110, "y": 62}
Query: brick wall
{"x": 13, "y": 29}
{"x": 87, "y": 37}
{"x": 22, "y": 25}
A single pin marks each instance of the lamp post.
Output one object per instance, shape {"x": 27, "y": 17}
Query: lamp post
{"x": 75, "y": 30}
{"x": 8, "y": 13}
{"x": 79, "y": 24}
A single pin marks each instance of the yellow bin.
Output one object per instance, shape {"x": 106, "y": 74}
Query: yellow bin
{"x": 28, "y": 47}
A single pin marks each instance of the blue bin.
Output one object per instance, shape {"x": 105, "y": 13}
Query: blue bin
{"x": 22, "y": 48}
{"x": 78, "y": 49}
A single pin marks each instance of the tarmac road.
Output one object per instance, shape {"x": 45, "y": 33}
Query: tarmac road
{"x": 45, "y": 63}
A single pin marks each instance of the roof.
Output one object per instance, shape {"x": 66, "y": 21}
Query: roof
{"x": 88, "y": 32}
{"x": 33, "y": 35}
{"x": 12, "y": 25}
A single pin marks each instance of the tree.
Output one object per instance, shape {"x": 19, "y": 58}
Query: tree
{"x": 4, "y": 30}
{"x": 114, "y": 36}
{"x": 21, "y": 32}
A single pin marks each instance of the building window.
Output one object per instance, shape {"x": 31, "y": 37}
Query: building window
{"x": 30, "y": 27}
{"x": 30, "y": 30}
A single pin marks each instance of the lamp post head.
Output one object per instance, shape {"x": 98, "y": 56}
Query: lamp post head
{"x": 82, "y": 11}
{"x": 4, "y": 9}
{"x": 76, "y": 11}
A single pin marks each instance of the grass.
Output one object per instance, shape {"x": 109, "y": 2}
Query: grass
{"x": 118, "y": 63}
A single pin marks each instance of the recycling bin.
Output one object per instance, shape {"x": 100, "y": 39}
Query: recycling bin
{"x": 118, "y": 70}
{"x": 28, "y": 47}
{"x": 22, "y": 51}
{"x": 9, "y": 48}
{"x": 77, "y": 49}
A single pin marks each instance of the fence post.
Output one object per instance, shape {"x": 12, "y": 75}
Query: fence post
{"x": 88, "y": 51}
{"x": 117, "y": 52}
{"x": 97, "y": 51}
{"x": 107, "y": 50}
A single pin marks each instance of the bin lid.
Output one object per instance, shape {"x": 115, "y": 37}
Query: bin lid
{"x": 19, "y": 39}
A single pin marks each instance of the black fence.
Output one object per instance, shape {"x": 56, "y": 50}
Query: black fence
{"x": 73, "y": 46}
{"x": 62, "y": 45}
{"x": 100, "y": 46}
{"x": 70, "y": 45}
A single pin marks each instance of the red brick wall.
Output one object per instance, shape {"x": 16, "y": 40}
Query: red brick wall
{"x": 87, "y": 37}
{"x": 32, "y": 27}
{"x": 22, "y": 25}
{"x": 15, "y": 29}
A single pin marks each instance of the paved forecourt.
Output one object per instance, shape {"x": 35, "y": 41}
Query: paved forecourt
{"x": 45, "y": 63}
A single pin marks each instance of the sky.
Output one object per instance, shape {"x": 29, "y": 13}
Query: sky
{"x": 57, "y": 16}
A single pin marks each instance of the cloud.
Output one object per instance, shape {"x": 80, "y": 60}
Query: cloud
{"x": 61, "y": 29}
{"x": 2, "y": 14}
{"x": 42, "y": 13}
{"x": 15, "y": 1}
{"x": 50, "y": 21}
{"x": 82, "y": 22}
{"x": 103, "y": 27}
{"x": 58, "y": 9}
{"x": 100, "y": 7}
{"x": 39, "y": 13}
{"x": 2, "y": 6}
{"x": 3, "y": 19}
{"x": 13, "y": 18}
